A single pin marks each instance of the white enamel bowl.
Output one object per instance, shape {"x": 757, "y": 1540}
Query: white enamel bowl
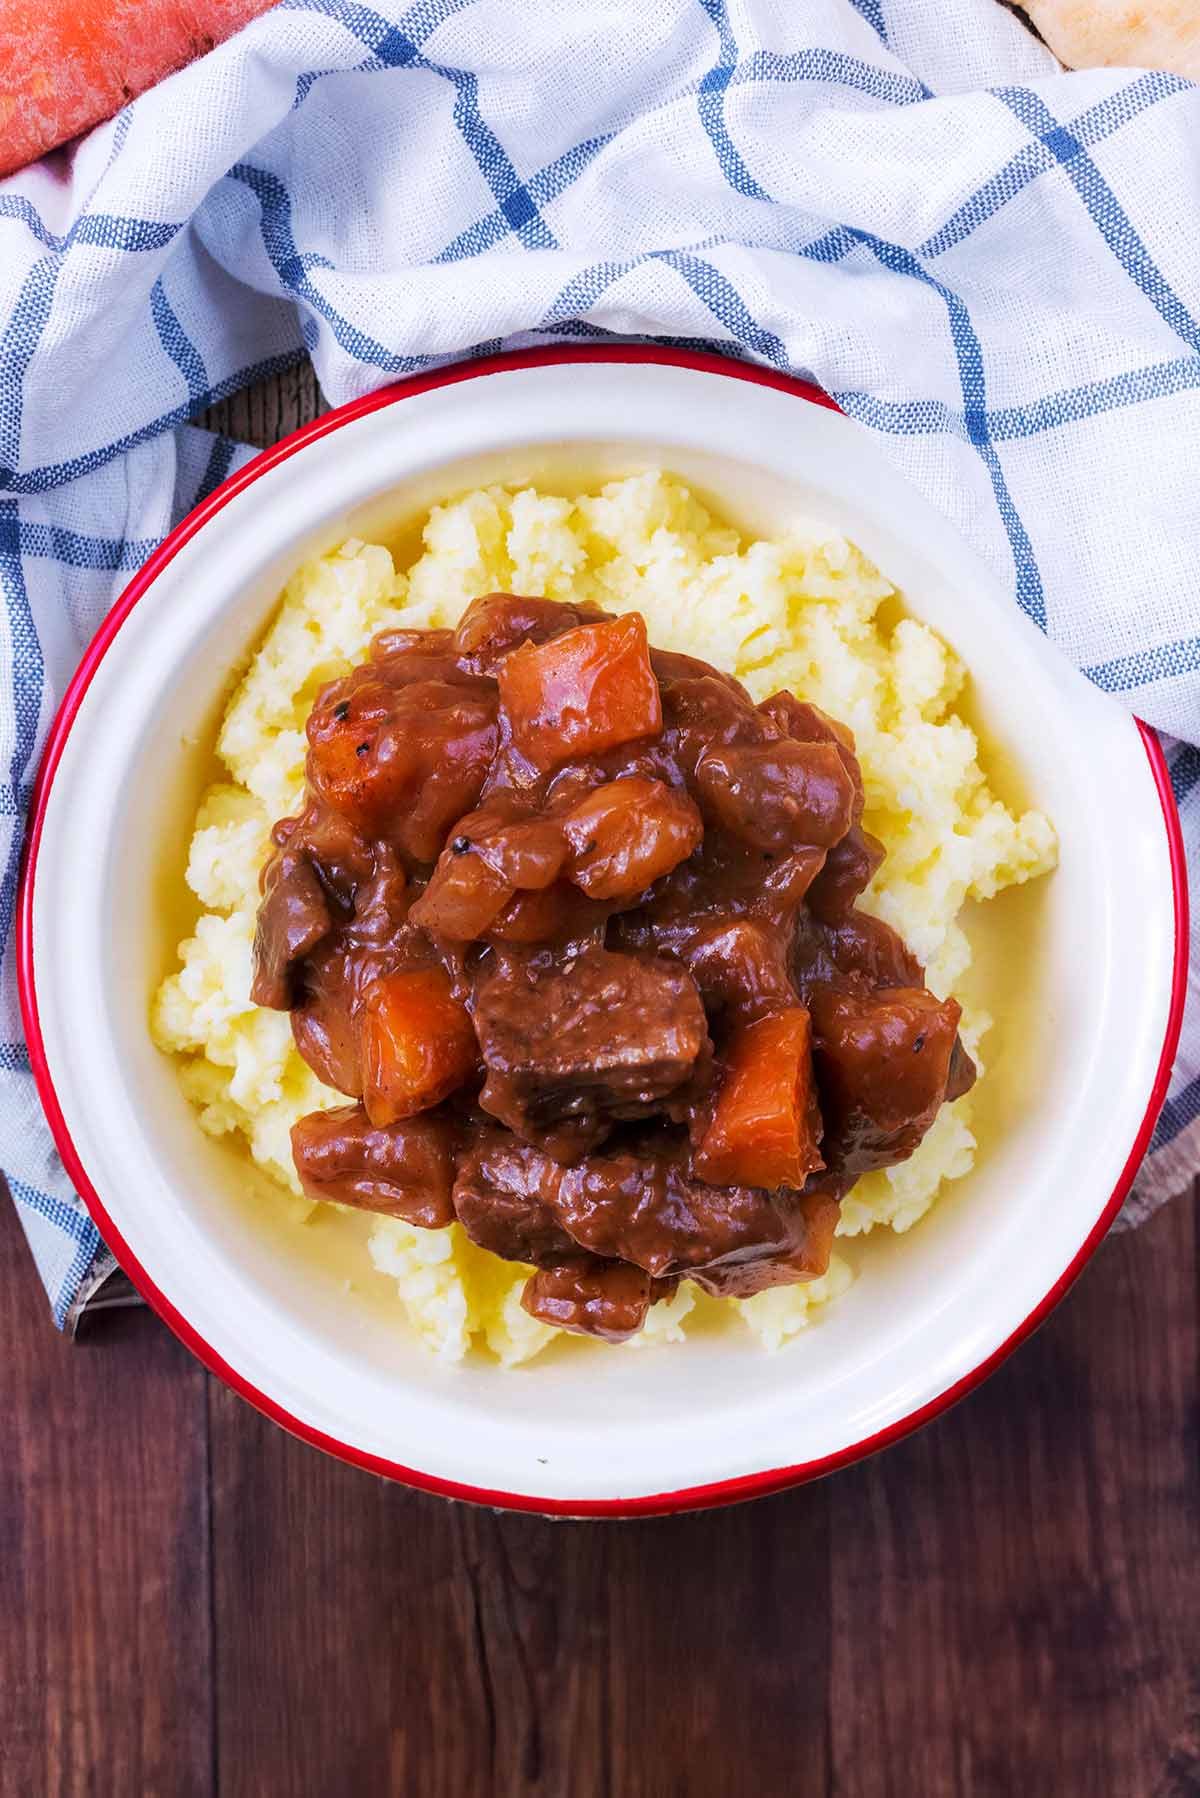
{"x": 1085, "y": 978}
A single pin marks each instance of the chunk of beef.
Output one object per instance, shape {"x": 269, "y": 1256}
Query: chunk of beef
{"x": 375, "y": 940}
{"x": 402, "y": 761}
{"x": 811, "y": 1220}
{"x": 342, "y": 857}
{"x": 601, "y": 1035}
{"x": 739, "y": 965}
{"x": 847, "y": 871}
{"x": 865, "y": 947}
{"x": 607, "y": 1299}
{"x": 703, "y": 710}
{"x": 642, "y": 1205}
{"x": 406, "y": 656}
{"x": 397, "y": 649}
{"x": 500, "y": 1199}
{"x": 722, "y": 880}
{"x": 405, "y": 1169}
{"x": 379, "y": 905}
{"x": 498, "y": 622}
{"x": 883, "y": 1067}
{"x": 674, "y": 669}
{"x": 799, "y": 718}
{"x": 776, "y": 796}
{"x": 325, "y": 1022}
{"x": 807, "y": 723}
{"x": 859, "y": 949}
{"x": 963, "y": 1072}
{"x": 293, "y": 918}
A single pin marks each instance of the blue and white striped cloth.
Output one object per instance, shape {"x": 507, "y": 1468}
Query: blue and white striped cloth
{"x": 993, "y": 264}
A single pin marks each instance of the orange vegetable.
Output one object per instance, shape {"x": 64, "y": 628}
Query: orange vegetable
{"x": 628, "y": 833}
{"x": 581, "y": 693}
{"x": 549, "y": 916}
{"x": 528, "y": 853}
{"x": 765, "y": 1125}
{"x": 490, "y": 856}
{"x": 417, "y": 1043}
{"x": 354, "y": 762}
{"x": 67, "y": 64}
{"x": 400, "y": 761}
{"x": 462, "y": 898}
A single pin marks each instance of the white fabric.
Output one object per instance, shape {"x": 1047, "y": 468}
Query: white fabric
{"x": 994, "y": 265}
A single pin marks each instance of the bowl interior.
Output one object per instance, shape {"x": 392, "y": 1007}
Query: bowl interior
{"x": 296, "y": 1309}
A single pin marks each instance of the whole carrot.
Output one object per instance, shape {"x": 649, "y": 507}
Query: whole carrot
{"x": 67, "y": 64}
{"x": 1153, "y": 34}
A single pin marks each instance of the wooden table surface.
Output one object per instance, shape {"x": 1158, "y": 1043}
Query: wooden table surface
{"x": 1006, "y": 1603}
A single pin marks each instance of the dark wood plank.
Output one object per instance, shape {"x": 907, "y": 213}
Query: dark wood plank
{"x": 720, "y": 1652}
{"x": 372, "y": 1640}
{"x": 1006, "y": 1603}
{"x": 105, "y": 1643}
{"x": 344, "y": 1625}
{"x": 268, "y": 411}
{"x": 1016, "y": 1591}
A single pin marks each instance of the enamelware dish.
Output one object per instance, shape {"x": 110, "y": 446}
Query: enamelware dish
{"x": 1084, "y": 971}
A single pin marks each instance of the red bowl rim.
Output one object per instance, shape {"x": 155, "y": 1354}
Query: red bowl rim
{"x": 720, "y": 1492}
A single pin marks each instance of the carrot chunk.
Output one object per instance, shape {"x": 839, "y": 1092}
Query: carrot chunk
{"x": 66, "y": 64}
{"x": 627, "y": 834}
{"x": 418, "y": 1044}
{"x": 553, "y": 915}
{"x": 765, "y": 1124}
{"x": 581, "y": 693}
{"x": 401, "y": 760}
{"x": 490, "y": 856}
{"x": 463, "y": 896}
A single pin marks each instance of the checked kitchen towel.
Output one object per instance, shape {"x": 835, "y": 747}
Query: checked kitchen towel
{"x": 994, "y": 265}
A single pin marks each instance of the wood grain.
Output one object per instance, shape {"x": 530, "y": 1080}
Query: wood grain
{"x": 1018, "y": 1593}
{"x": 448, "y": 1650}
{"x": 268, "y": 411}
{"x": 105, "y": 1647}
{"x": 1007, "y": 1603}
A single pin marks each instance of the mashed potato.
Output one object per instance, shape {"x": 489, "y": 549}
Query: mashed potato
{"x": 800, "y": 612}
